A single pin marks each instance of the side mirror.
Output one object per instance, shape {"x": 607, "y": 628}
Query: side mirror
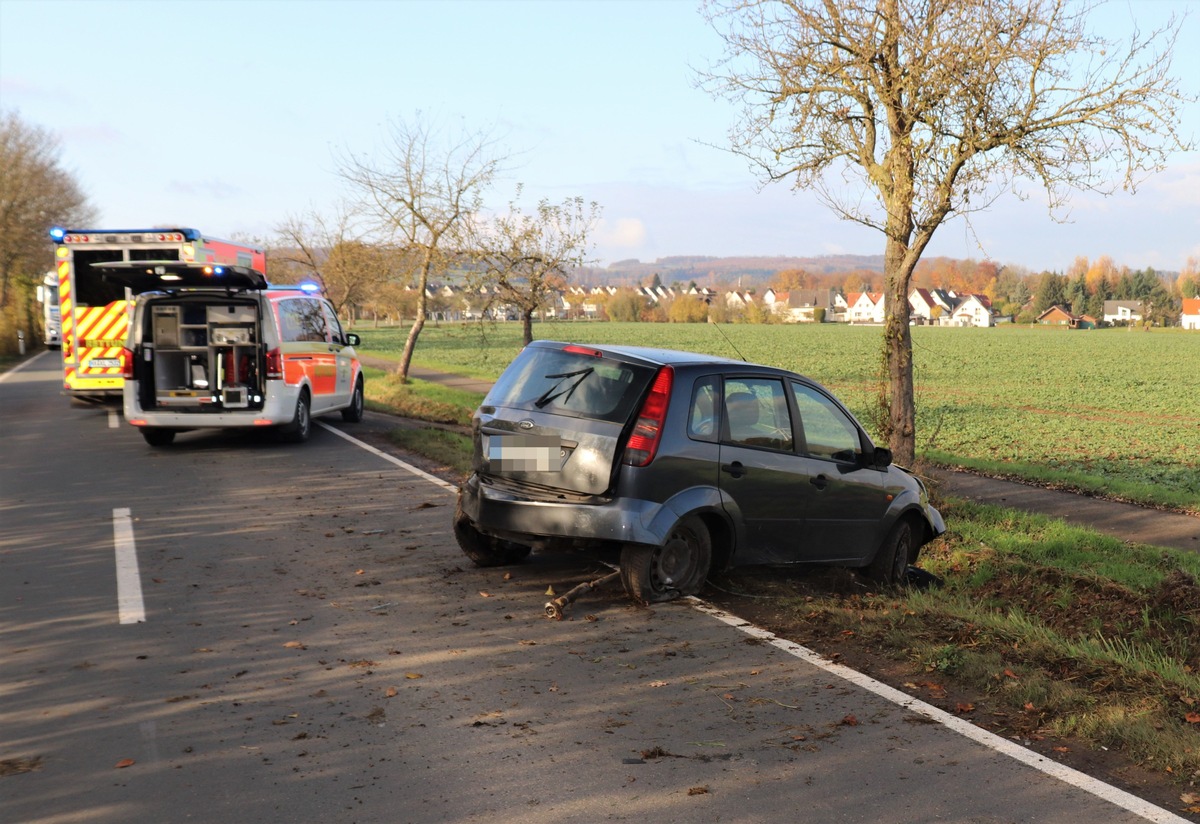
{"x": 353, "y": 339}
{"x": 883, "y": 457}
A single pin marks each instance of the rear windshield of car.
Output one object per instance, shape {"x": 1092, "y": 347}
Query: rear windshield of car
{"x": 568, "y": 383}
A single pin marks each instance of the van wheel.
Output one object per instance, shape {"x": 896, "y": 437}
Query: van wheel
{"x": 158, "y": 437}
{"x": 652, "y": 574}
{"x": 354, "y": 412}
{"x": 484, "y": 550}
{"x": 301, "y": 426}
{"x": 890, "y": 565}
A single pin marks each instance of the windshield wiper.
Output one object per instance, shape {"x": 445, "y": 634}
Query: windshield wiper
{"x": 551, "y": 395}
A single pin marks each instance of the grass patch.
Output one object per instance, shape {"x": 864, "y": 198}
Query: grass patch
{"x": 1061, "y": 631}
{"x": 418, "y": 399}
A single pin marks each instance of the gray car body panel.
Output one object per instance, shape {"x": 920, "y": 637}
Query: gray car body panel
{"x": 643, "y": 504}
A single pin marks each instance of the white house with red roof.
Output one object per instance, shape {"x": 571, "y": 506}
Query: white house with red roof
{"x": 1190, "y": 317}
{"x": 974, "y": 310}
{"x": 865, "y": 307}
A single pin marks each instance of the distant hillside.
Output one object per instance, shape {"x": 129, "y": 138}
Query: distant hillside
{"x": 717, "y": 271}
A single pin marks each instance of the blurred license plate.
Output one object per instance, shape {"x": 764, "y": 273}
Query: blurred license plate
{"x": 104, "y": 363}
{"x": 525, "y": 453}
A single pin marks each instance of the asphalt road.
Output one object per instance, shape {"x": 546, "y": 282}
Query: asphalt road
{"x": 313, "y": 647}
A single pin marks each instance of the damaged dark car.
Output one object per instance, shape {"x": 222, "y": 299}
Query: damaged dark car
{"x": 685, "y": 463}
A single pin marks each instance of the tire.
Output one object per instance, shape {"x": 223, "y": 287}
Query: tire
{"x": 652, "y": 574}
{"x": 484, "y": 550}
{"x": 890, "y": 566}
{"x": 158, "y": 437}
{"x": 301, "y": 426}
{"x": 354, "y": 412}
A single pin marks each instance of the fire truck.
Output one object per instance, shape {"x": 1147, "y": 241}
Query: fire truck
{"x": 95, "y": 296}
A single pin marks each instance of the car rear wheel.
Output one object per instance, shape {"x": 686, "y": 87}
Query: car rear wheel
{"x": 354, "y": 412}
{"x": 301, "y": 426}
{"x": 484, "y": 550}
{"x": 891, "y": 562}
{"x": 158, "y": 437}
{"x": 652, "y": 574}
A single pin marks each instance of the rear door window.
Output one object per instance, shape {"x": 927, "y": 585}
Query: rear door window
{"x": 571, "y": 383}
{"x": 756, "y": 414}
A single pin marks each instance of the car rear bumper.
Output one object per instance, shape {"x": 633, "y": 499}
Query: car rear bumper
{"x": 507, "y": 515}
{"x": 279, "y": 408}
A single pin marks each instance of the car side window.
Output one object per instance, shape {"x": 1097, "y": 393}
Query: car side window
{"x": 702, "y": 415}
{"x": 756, "y": 414}
{"x": 301, "y": 319}
{"x": 335, "y": 325}
{"x": 828, "y": 432}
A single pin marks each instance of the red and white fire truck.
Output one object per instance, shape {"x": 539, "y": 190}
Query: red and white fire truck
{"x": 95, "y": 298}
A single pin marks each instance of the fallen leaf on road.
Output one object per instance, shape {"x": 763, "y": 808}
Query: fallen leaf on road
{"x": 390, "y": 692}
{"x": 1192, "y": 717}
{"x": 849, "y": 721}
{"x": 413, "y": 675}
{"x": 483, "y": 594}
{"x": 1009, "y": 673}
{"x": 294, "y": 645}
{"x": 657, "y": 683}
{"x": 698, "y": 791}
{"x": 125, "y": 762}
{"x": 358, "y": 572}
{"x": 1061, "y": 749}
{"x": 550, "y": 590}
{"x": 965, "y": 708}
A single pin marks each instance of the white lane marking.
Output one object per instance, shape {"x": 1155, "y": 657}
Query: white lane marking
{"x": 1067, "y": 775}
{"x": 20, "y": 366}
{"x": 130, "y": 608}
{"x": 114, "y": 422}
{"x": 392, "y": 459}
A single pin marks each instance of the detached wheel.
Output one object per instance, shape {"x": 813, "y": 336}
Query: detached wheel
{"x": 301, "y": 426}
{"x": 484, "y": 550}
{"x": 158, "y": 437}
{"x": 652, "y": 574}
{"x": 890, "y": 566}
{"x": 354, "y": 412}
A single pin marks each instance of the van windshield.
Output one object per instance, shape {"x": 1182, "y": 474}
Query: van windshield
{"x": 569, "y": 383}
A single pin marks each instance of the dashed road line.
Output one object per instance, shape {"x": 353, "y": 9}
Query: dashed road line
{"x": 131, "y": 609}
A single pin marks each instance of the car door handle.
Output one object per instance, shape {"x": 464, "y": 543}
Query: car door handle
{"x": 736, "y": 469}
{"x": 820, "y": 482}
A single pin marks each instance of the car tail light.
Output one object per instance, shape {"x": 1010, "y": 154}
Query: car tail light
{"x": 647, "y": 431}
{"x": 274, "y": 365}
{"x": 126, "y": 358}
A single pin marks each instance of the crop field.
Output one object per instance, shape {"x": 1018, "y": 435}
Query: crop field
{"x": 1114, "y": 410}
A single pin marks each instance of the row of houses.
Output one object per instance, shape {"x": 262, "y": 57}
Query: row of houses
{"x": 1117, "y": 313}
{"x": 932, "y": 307}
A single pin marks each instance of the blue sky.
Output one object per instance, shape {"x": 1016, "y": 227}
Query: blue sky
{"x": 230, "y": 115}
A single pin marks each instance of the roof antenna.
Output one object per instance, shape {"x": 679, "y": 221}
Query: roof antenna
{"x": 717, "y": 326}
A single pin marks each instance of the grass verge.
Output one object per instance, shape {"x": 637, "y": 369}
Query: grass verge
{"x": 419, "y": 399}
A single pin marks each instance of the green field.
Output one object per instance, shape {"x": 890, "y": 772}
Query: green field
{"x": 1113, "y": 411}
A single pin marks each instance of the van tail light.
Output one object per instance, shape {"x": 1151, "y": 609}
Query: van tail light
{"x": 126, "y": 358}
{"x": 274, "y": 365}
{"x": 647, "y": 431}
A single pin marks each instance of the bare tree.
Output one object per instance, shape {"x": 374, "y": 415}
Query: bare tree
{"x": 36, "y": 193}
{"x": 526, "y": 258}
{"x": 332, "y": 252}
{"x": 902, "y": 114}
{"x": 422, "y": 195}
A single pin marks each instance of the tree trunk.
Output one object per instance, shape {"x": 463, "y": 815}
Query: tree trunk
{"x": 527, "y": 326}
{"x": 899, "y": 410}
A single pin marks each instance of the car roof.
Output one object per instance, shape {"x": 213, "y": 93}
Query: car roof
{"x": 662, "y": 357}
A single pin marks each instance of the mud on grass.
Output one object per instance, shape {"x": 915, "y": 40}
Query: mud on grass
{"x": 1100, "y": 676}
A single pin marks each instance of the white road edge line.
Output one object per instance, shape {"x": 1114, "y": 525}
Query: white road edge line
{"x": 1063, "y": 773}
{"x": 1067, "y": 775}
{"x": 130, "y": 607}
{"x": 4, "y": 376}
{"x": 407, "y": 467}
{"x": 114, "y": 420}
